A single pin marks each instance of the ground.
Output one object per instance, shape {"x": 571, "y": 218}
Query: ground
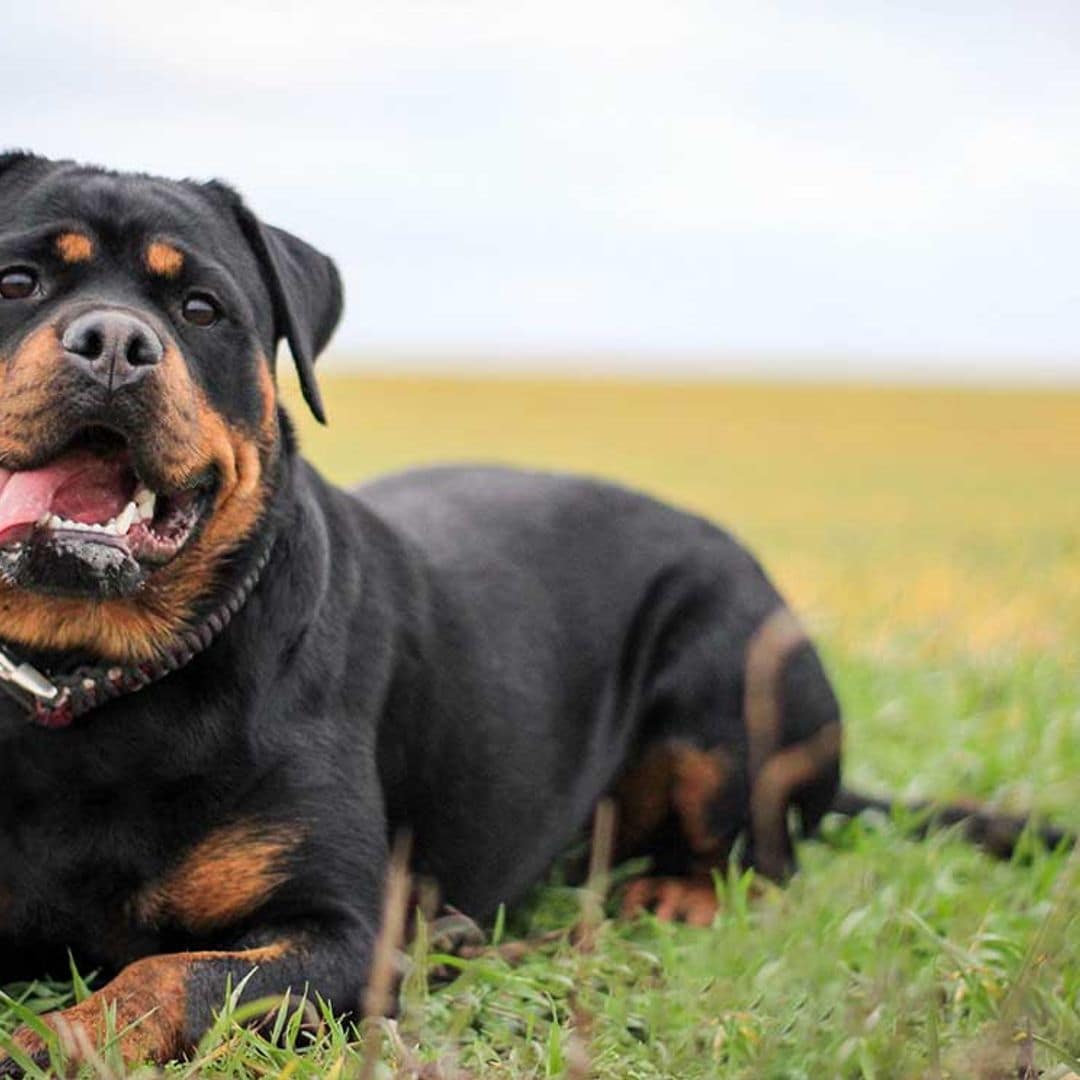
{"x": 931, "y": 540}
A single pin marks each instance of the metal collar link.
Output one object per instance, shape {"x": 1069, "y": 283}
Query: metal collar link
{"x": 26, "y": 678}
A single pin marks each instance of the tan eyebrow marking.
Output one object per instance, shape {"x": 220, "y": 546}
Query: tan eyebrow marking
{"x": 74, "y": 247}
{"x": 163, "y": 259}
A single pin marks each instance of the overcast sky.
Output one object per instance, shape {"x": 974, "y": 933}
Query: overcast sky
{"x": 892, "y": 185}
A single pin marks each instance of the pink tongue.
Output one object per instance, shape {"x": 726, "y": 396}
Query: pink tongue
{"x": 80, "y": 486}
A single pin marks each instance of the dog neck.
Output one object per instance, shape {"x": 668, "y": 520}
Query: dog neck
{"x": 56, "y": 698}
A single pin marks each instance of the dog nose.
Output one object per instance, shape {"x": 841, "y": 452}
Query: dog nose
{"x": 114, "y": 347}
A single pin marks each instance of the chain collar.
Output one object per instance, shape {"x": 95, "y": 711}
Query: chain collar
{"x": 57, "y": 700}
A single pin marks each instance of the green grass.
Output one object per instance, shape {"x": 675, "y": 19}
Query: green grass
{"x": 932, "y": 539}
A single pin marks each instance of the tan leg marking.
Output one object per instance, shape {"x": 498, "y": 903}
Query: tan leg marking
{"x": 768, "y": 649}
{"x": 226, "y": 877}
{"x": 700, "y": 777}
{"x": 672, "y": 776}
{"x": 150, "y": 999}
{"x": 771, "y": 795}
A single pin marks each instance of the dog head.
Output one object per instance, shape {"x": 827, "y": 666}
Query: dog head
{"x": 139, "y": 426}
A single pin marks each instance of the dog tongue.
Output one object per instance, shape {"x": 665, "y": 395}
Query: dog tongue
{"x": 80, "y": 486}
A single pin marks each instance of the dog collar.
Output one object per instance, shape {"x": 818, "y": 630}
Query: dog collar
{"x": 56, "y": 700}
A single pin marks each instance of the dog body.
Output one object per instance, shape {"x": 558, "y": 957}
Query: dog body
{"x": 476, "y": 655}
{"x": 259, "y": 679}
{"x": 561, "y": 631}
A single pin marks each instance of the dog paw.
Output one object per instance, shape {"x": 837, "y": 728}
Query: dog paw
{"x": 32, "y": 1047}
{"x": 686, "y": 900}
{"x": 454, "y": 932}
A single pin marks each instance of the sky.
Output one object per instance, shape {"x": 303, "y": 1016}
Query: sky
{"x": 864, "y": 188}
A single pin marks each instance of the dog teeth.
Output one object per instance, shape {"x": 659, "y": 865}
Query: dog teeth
{"x": 117, "y": 526}
{"x": 55, "y": 522}
{"x": 145, "y": 503}
{"x": 123, "y": 522}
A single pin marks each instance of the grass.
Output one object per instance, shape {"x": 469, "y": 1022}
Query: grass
{"x": 932, "y": 540}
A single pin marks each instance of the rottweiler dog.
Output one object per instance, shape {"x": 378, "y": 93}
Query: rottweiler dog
{"x": 228, "y": 683}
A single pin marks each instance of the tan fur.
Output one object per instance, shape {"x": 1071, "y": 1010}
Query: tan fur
{"x": 149, "y": 998}
{"x": 27, "y": 380}
{"x": 768, "y": 650}
{"x": 672, "y": 777}
{"x": 163, "y": 259}
{"x": 780, "y": 776}
{"x": 643, "y": 798}
{"x": 226, "y": 877}
{"x": 691, "y": 900}
{"x": 74, "y": 247}
{"x": 188, "y": 436}
{"x": 700, "y": 777}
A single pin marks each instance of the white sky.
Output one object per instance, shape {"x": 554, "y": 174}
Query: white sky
{"x": 878, "y": 187}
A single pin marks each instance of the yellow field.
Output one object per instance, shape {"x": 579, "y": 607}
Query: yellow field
{"x": 949, "y": 519}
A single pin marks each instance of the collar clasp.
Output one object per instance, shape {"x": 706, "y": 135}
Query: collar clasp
{"x": 27, "y": 678}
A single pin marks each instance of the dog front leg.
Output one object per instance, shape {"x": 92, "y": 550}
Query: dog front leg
{"x": 164, "y": 1004}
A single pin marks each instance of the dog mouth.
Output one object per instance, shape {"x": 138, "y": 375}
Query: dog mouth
{"x": 90, "y": 503}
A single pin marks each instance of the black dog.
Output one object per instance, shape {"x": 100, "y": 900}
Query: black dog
{"x": 230, "y": 682}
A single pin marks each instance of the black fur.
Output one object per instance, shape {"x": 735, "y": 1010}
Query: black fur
{"x": 475, "y": 655}
{"x": 306, "y": 291}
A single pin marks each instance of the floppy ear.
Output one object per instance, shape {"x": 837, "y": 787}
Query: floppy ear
{"x": 306, "y": 290}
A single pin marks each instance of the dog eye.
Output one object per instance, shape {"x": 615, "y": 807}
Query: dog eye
{"x": 18, "y": 284}
{"x": 201, "y": 310}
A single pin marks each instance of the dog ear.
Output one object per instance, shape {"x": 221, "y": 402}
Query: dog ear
{"x": 306, "y": 291}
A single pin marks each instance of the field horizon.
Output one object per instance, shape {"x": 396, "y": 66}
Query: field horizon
{"x": 915, "y": 370}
